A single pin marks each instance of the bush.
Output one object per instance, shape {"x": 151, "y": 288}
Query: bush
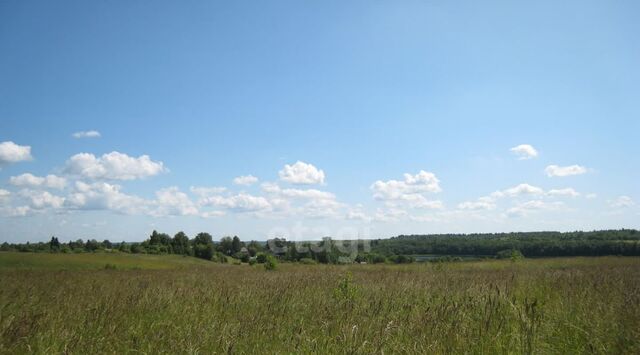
{"x": 252, "y": 261}
{"x": 270, "y": 264}
{"x": 220, "y": 258}
{"x": 346, "y": 291}
{"x": 261, "y": 258}
{"x": 513, "y": 254}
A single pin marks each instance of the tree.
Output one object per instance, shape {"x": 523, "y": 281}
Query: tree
{"x": 180, "y": 244}
{"x": 205, "y": 251}
{"x": 92, "y": 245}
{"x": 253, "y": 248}
{"x": 202, "y": 238}
{"x": 54, "y": 244}
{"x": 124, "y": 247}
{"x": 107, "y": 244}
{"x": 226, "y": 245}
{"x": 203, "y": 246}
{"x": 236, "y": 245}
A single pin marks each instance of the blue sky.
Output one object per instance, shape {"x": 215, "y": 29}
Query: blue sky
{"x": 328, "y": 105}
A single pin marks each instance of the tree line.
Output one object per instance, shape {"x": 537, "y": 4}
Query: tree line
{"x": 532, "y": 244}
{"x": 400, "y": 249}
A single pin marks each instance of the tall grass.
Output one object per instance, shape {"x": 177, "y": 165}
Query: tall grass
{"x": 586, "y": 305}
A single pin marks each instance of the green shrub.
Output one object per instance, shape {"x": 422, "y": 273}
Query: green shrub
{"x": 261, "y": 258}
{"x": 270, "y": 264}
{"x": 346, "y": 291}
{"x": 512, "y": 254}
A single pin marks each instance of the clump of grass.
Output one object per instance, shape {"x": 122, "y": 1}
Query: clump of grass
{"x": 110, "y": 266}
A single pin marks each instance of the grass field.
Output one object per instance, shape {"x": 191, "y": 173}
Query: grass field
{"x": 151, "y": 304}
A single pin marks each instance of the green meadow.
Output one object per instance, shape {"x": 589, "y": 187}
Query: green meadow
{"x": 76, "y": 304}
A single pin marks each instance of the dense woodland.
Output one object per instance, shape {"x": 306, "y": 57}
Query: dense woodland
{"x": 400, "y": 249}
{"x": 533, "y": 244}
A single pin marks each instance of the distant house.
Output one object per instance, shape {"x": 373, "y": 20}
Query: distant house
{"x": 244, "y": 251}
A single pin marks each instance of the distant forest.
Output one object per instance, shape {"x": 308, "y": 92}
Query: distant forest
{"x": 532, "y": 244}
{"x": 400, "y": 249}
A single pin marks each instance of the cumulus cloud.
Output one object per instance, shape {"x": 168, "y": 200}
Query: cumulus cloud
{"x": 519, "y": 190}
{"x": 172, "y": 202}
{"x": 303, "y": 202}
{"x": 357, "y": 213}
{"x": 30, "y": 180}
{"x": 302, "y": 173}
{"x": 622, "y": 202}
{"x": 13, "y": 153}
{"x": 113, "y": 166}
{"x": 245, "y": 180}
{"x": 406, "y": 193}
{"x": 42, "y": 199}
{"x": 423, "y": 182}
{"x": 481, "y": 204}
{"x": 19, "y": 211}
{"x": 524, "y": 151}
{"x": 87, "y": 134}
{"x": 4, "y": 195}
{"x": 389, "y": 215}
{"x": 568, "y": 192}
{"x": 561, "y": 171}
{"x": 240, "y": 203}
{"x": 104, "y": 196}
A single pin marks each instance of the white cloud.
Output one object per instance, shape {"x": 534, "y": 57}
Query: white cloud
{"x": 524, "y": 151}
{"x": 30, "y": 180}
{"x": 240, "y": 203}
{"x": 423, "y": 182}
{"x": 591, "y": 196}
{"x": 19, "y": 211}
{"x": 357, "y": 213}
{"x": 104, "y": 196}
{"x": 305, "y": 202}
{"x": 302, "y": 173}
{"x": 212, "y": 214}
{"x": 569, "y": 192}
{"x": 87, "y": 134}
{"x": 311, "y": 194}
{"x": 171, "y": 201}
{"x": 13, "y": 153}
{"x": 519, "y": 190}
{"x": 245, "y": 180}
{"x": 322, "y": 208}
{"x": 113, "y": 166}
{"x": 42, "y": 199}
{"x": 561, "y": 171}
{"x": 622, "y": 202}
{"x": 481, "y": 204}
{"x": 4, "y": 195}
{"x": 389, "y": 215}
